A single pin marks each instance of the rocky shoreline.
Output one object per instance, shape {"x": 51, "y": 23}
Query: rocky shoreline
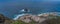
{"x": 31, "y": 19}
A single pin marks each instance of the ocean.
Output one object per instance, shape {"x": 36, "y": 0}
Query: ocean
{"x": 10, "y": 9}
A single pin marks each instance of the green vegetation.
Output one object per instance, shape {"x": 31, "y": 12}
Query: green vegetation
{"x": 19, "y": 22}
{"x": 54, "y": 20}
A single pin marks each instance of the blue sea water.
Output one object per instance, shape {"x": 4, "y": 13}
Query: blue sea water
{"x": 11, "y": 8}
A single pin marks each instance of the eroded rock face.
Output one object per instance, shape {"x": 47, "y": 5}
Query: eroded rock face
{"x": 29, "y": 18}
{"x": 26, "y": 18}
{"x": 35, "y": 18}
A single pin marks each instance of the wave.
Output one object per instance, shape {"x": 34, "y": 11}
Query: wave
{"x": 18, "y": 16}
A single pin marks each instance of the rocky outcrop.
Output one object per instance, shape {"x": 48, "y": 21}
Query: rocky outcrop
{"x": 29, "y": 18}
{"x": 4, "y": 20}
{"x": 43, "y": 19}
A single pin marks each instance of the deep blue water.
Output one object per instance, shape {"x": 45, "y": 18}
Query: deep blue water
{"x": 11, "y": 8}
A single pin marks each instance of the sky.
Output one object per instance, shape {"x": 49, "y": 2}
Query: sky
{"x": 11, "y": 7}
